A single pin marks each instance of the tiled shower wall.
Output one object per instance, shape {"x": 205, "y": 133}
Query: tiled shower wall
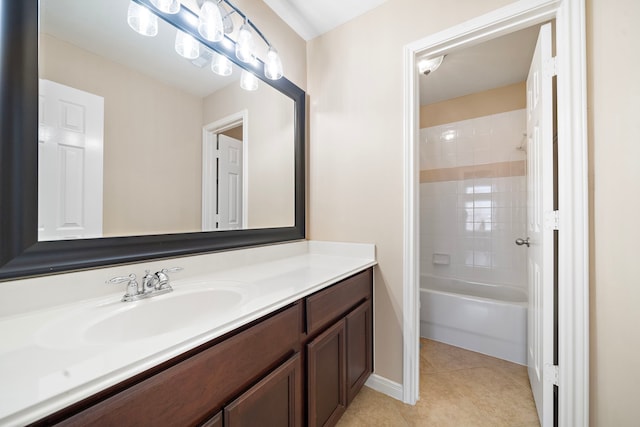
{"x": 473, "y": 199}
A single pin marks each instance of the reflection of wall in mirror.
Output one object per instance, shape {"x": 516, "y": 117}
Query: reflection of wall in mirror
{"x": 235, "y": 132}
{"x": 270, "y": 150}
{"x": 153, "y": 142}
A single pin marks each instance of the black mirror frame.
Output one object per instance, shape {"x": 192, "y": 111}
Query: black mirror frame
{"x": 21, "y": 254}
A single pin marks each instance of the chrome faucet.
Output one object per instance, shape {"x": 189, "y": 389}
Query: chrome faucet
{"x": 149, "y": 282}
{"x": 152, "y": 284}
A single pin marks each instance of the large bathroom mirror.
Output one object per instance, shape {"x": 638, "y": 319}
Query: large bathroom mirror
{"x": 113, "y": 147}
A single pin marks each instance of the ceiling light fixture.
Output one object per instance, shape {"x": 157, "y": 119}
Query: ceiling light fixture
{"x": 427, "y": 66}
{"x": 213, "y": 29}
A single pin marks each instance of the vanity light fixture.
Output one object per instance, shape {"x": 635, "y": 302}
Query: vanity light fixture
{"x": 186, "y": 45}
{"x": 427, "y": 66}
{"x": 221, "y": 65}
{"x": 215, "y": 24}
{"x": 248, "y": 81}
{"x": 142, "y": 20}
{"x": 167, "y": 6}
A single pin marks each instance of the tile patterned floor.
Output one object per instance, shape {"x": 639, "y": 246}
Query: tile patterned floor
{"x": 458, "y": 388}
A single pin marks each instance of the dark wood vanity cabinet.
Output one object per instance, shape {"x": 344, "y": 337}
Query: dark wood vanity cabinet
{"x": 299, "y": 366}
{"x": 340, "y": 358}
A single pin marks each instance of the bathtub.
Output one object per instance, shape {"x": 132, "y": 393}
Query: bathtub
{"x": 489, "y": 319}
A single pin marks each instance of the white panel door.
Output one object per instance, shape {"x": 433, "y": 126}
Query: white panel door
{"x": 539, "y": 225}
{"x": 70, "y": 162}
{"x": 229, "y": 183}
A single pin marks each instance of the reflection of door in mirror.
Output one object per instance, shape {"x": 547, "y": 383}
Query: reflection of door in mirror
{"x": 224, "y": 178}
{"x": 70, "y": 152}
{"x": 229, "y": 183}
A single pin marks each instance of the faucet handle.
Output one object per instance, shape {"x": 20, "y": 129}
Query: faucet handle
{"x": 163, "y": 277}
{"x": 121, "y": 279}
{"x": 132, "y": 284}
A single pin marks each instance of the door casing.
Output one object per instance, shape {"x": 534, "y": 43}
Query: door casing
{"x": 573, "y": 242}
{"x": 209, "y": 133}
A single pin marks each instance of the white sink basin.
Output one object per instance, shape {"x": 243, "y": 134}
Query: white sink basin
{"x": 158, "y": 315}
{"x": 128, "y": 321}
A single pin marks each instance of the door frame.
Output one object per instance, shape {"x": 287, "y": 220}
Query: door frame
{"x": 573, "y": 244}
{"x": 208, "y": 160}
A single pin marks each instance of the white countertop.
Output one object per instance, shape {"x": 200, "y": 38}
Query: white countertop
{"x": 43, "y": 370}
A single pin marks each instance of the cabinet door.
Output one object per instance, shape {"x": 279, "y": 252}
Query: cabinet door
{"x": 275, "y": 401}
{"x": 359, "y": 348}
{"x": 326, "y": 355}
{"x": 215, "y": 421}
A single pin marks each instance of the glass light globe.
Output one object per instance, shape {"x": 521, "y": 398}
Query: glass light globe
{"x": 248, "y": 81}
{"x": 273, "y": 65}
{"x": 221, "y": 65}
{"x": 245, "y": 45}
{"x": 210, "y": 24}
{"x": 142, "y": 20}
{"x": 186, "y": 45}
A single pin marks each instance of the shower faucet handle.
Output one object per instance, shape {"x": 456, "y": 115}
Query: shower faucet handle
{"x": 520, "y": 241}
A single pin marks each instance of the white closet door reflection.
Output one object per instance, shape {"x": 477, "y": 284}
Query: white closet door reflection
{"x": 70, "y": 152}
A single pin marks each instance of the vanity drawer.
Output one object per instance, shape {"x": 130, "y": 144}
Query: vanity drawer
{"x": 194, "y": 389}
{"x": 326, "y": 306}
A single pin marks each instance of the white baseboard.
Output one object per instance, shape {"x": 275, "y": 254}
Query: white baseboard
{"x": 383, "y": 385}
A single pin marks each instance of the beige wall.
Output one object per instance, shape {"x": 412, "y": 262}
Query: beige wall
{"x": 270, "y": 150}
{"x": 613, "y": 44}
{"x": 485, "y": 103}
{"x": 152, "y": 134}
{"x": 356, "y": 155}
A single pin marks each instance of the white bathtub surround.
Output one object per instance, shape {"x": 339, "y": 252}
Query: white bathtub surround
{"x": 475, "y": 222}
{"x": 41, "y": 375}
{"x": 489, "y": 319}
{"x": 473, "y": 199}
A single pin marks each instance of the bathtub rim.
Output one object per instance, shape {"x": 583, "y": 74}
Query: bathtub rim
{"x": 475, "y": 297}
